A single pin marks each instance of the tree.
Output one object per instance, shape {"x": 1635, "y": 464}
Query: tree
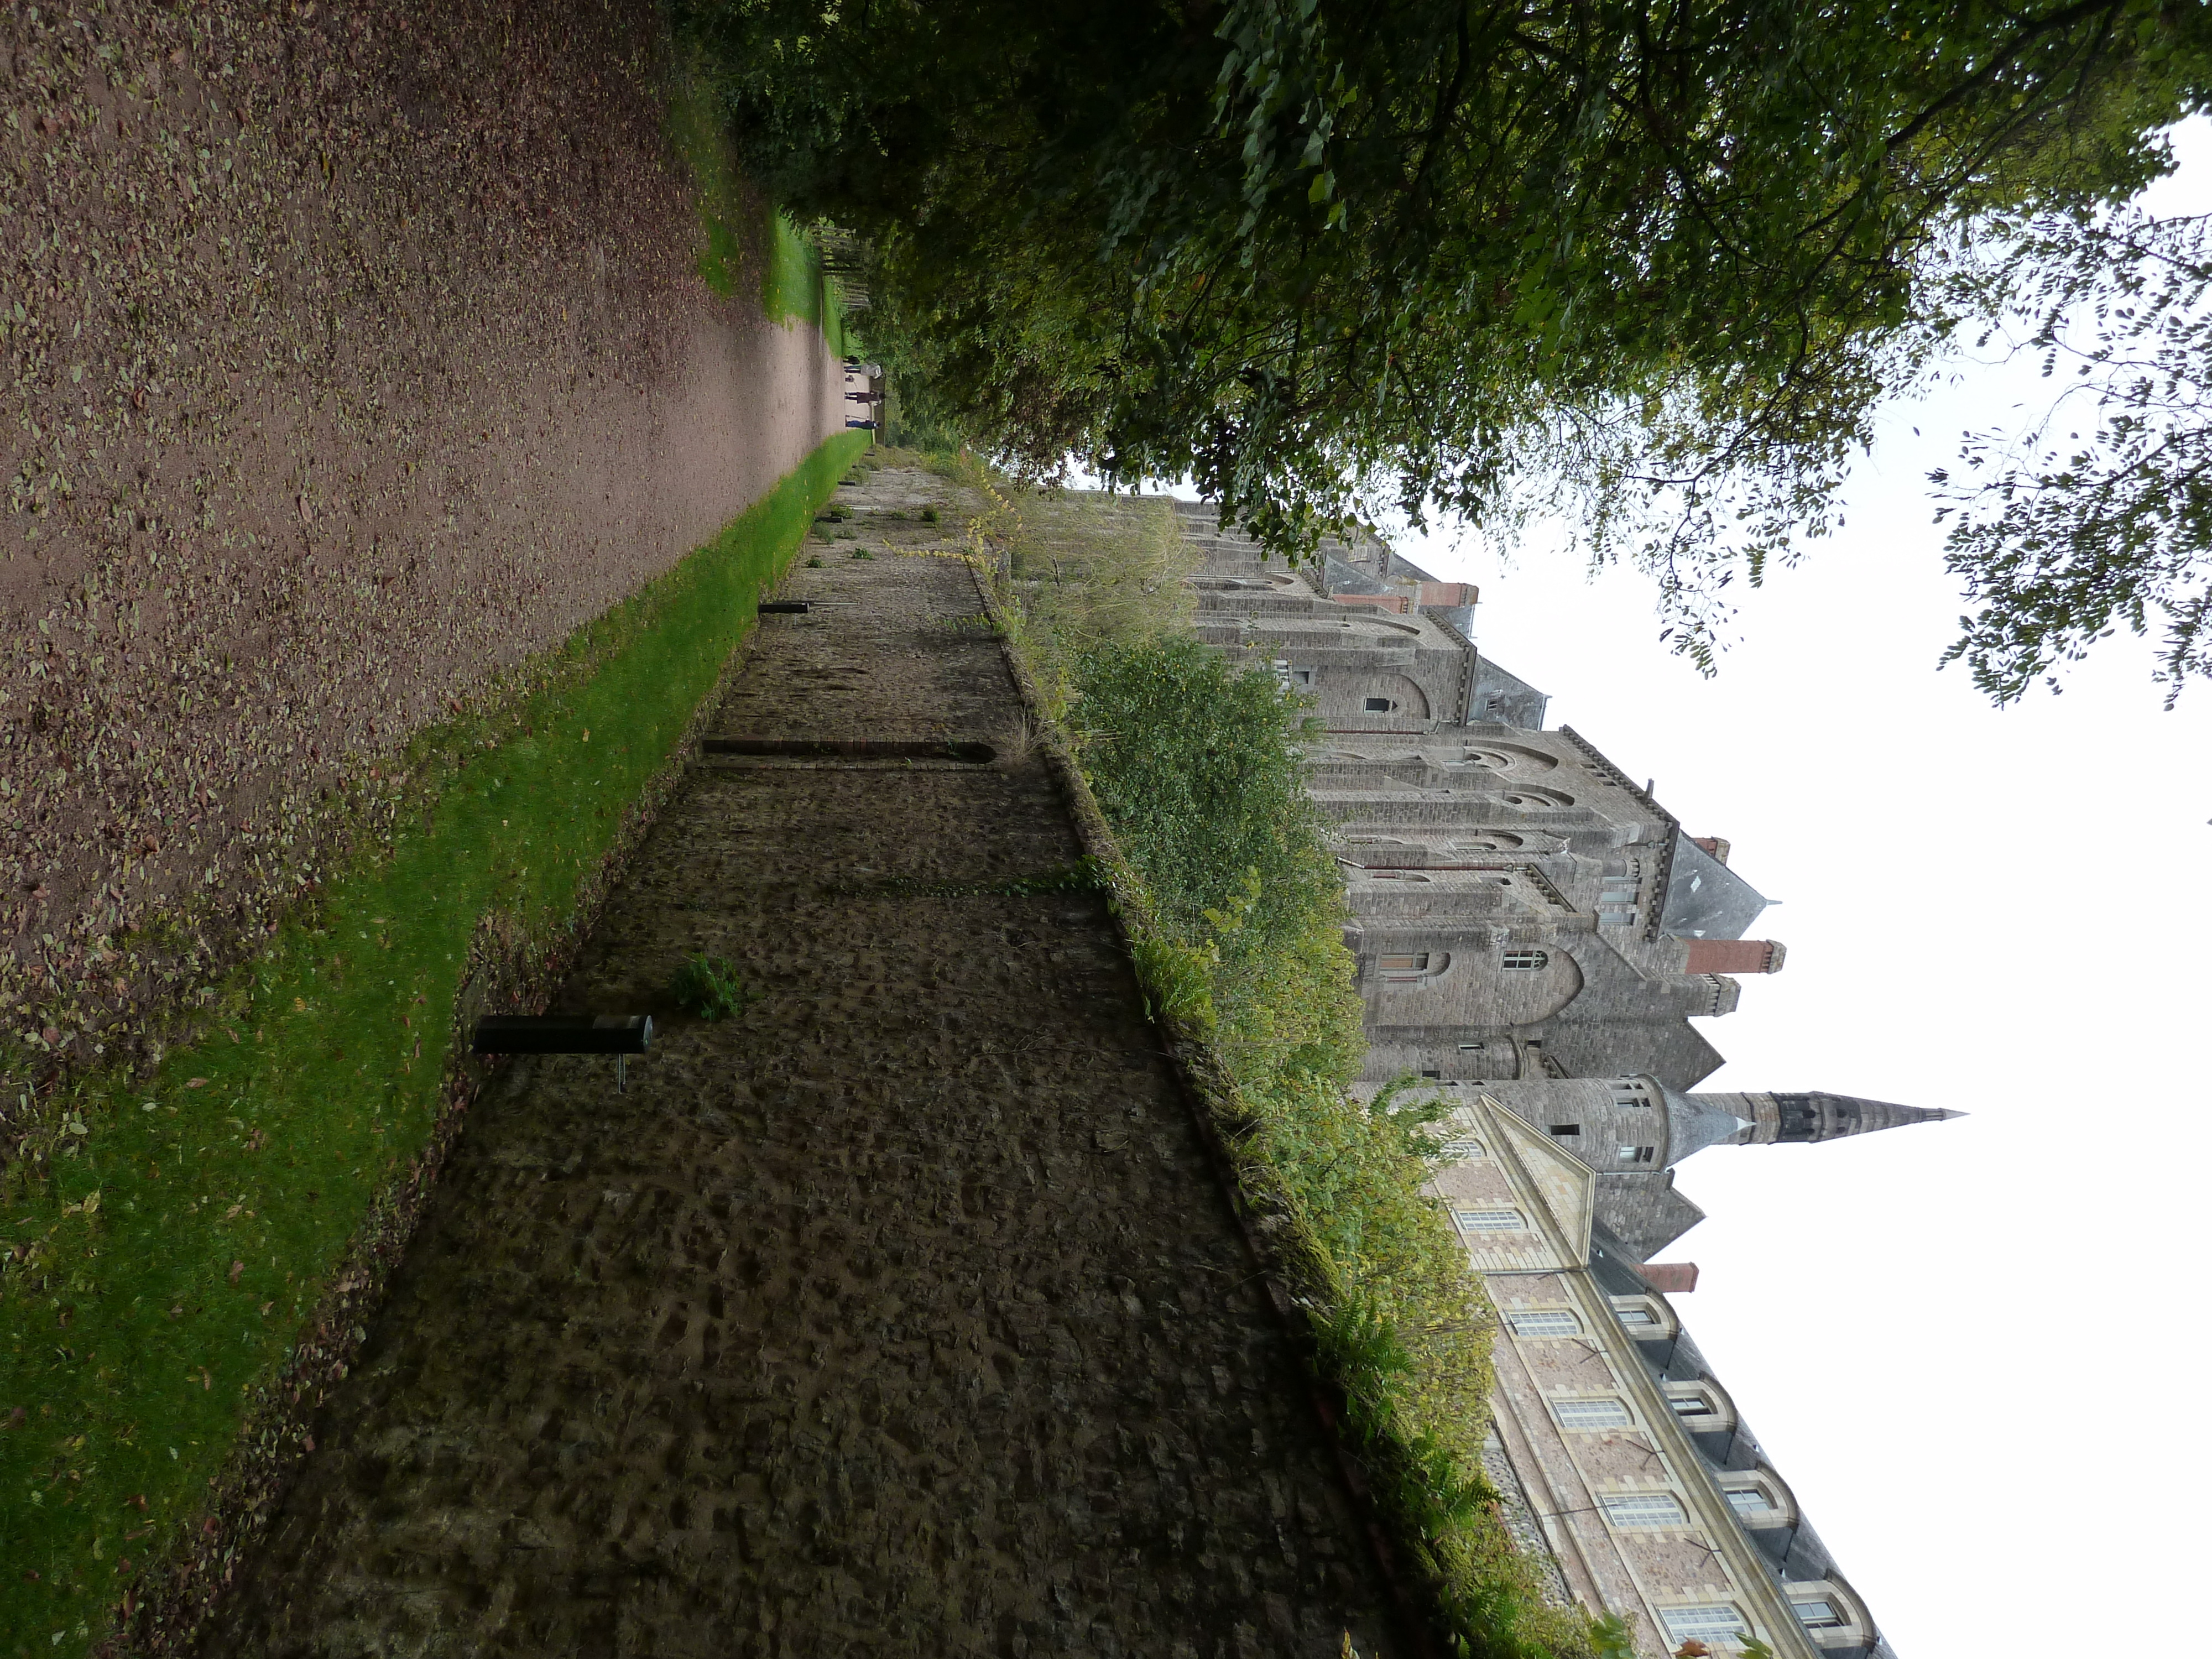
{"x": 2062, "y": 540}
{"x": 1655, "y": 263}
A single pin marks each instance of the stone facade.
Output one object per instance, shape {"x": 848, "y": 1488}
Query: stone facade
{"x": 1533, "y": 933}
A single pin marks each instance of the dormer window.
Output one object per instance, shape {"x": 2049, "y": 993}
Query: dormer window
{"x": 1643, "y": 1317}
{"x": 1822, "y": 1606}
{"x": 1752, "y": 1505}
{"x": 1698, "y": 1407}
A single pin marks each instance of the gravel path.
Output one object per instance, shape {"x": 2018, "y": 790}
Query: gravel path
{"x": 902, "y": 1314}
{"x": 354, "y": 353}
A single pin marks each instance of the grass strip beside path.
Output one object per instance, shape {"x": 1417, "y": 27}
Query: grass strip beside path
{"x": 157, "y": 1264}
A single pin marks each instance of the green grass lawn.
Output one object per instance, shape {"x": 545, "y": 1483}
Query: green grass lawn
{"x": 796, "y": 290}
{"x": 793, "y": 288}
{"x": 156, "y": 1269}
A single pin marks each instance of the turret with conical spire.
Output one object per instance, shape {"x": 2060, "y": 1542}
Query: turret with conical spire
{"x": 1765, "y": 1119}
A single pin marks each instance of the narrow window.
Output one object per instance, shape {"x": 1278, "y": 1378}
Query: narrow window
{"x": 1592, "y": 1413}
{"x": 1492, "y": 1221}
{"x": 1637, "y": 1154}
{"x": 1545, "y": 1322}
{"x": 1818, "y": 1613}
{"x": 1434, "y": 1076}
{"x": 1566, "y": 1129}
{"x": 1303, "y": 676}
{"x": 1470, "y": 1047}
{"x": 1526, "y": 961}
{"x": 1413, "y": 964}
{"x": 1380, "y": 705}
{"x": 1644, "y": 1508}
{"x": 1683, "y": 1624}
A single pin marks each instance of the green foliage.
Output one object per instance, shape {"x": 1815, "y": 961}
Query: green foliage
{"x": 1651, "y": 266}
{"x": 1236, "y": 914}
{"x": 1198, "y": 768}
{"x": 157, "y": 1266}
{"x": 2061, "y": 541}
{"x": 795, "y": 289}
{"x": 709, "y": 988}
{"x": 723, "y": 208}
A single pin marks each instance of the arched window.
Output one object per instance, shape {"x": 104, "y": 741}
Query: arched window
{"x": 1643, "y": 1509}
{"x": 1705, "y": 1622}
{"x": 1462, "y": 1151}
{"x": 1525, "y": 961}
{"x": 1699, "y": 1407}
{"x": 1492, "y": 1221}
{"x": 1544, "y": 1321}
{"x": 1756, "y": 1500}
{"x": 1821, "y": 1606}
{"x": 1602, "y": 1414}
{"x": 1643, "y": 1317}
{"x": 1402, "y": 966}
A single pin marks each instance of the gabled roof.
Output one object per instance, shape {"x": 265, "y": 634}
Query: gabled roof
{"x": 1705, "y": 899}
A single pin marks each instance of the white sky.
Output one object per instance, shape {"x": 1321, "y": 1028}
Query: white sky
{"x": 1948, "y": 1337}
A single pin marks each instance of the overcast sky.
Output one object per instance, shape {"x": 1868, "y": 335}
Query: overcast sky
{"x": 1966, "y": 1346}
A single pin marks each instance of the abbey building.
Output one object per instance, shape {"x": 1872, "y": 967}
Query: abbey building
{"x": 1533, "y": 933}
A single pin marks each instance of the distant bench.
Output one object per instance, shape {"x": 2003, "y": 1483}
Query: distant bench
{"x": 973, "y": 754}
{"x": 619, "y": 1034}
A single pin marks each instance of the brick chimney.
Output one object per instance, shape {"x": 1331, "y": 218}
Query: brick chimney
{"x": 1674, "y": 1277}
{"x": 1396, "y": 603}
{"x": 1735, "y": 956}
{"x": 1714, "y": 845}
{"x": 1447, "y": 593}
